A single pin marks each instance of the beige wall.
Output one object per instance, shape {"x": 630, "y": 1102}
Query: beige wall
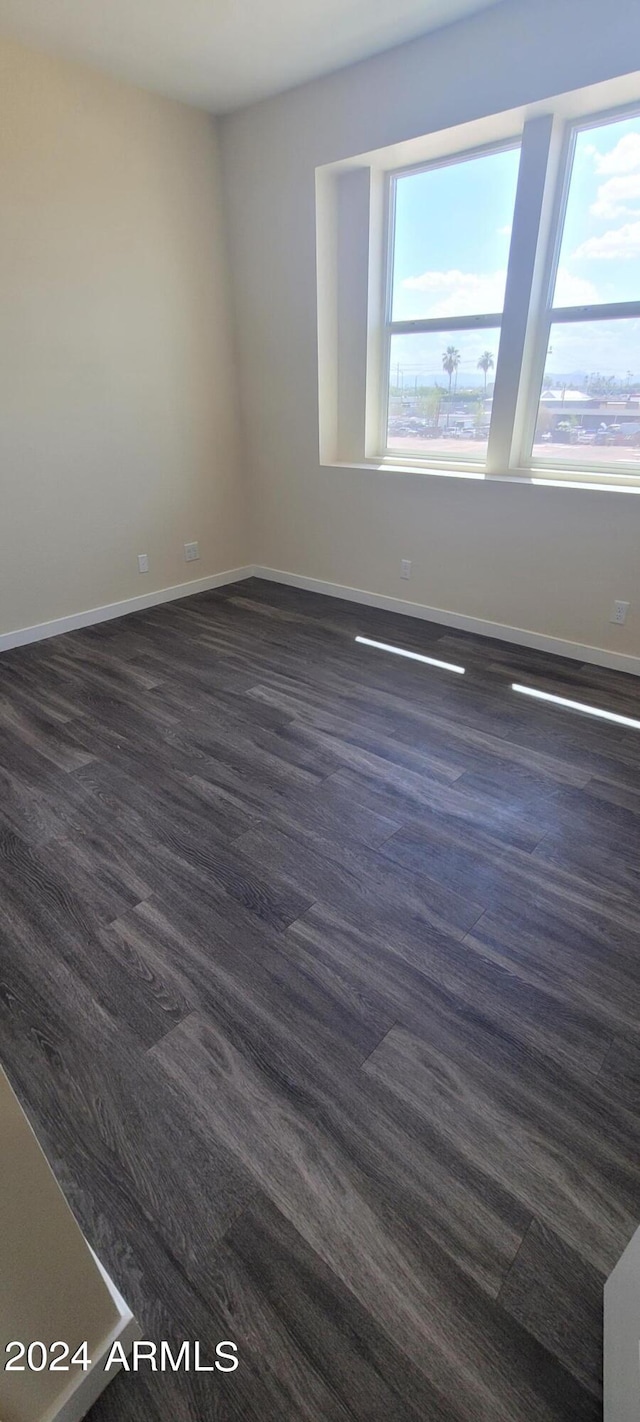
{"x": 117, "y": 421}
{"x": 118, "y": 425}
{"x": 545, "y": 559}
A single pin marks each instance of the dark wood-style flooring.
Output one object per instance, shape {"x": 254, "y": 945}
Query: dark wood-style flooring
{"x": 321, "y": 985}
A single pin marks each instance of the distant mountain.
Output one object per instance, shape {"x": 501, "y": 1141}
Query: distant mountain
{"x": 574, "y": 378}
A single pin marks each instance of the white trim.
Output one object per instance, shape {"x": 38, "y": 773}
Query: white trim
{"x": 459, "y": 155}
{"x": 422, "y": 324}
{"x": 520, "y": 636}
{"x": 37, "y": 633}
{"x": 83, "y": 1391}
{"x": 601, "y": 311}
{"x": 532, "y": 194}
{"x": 559, "y": 477}
{"x": 388, "y": 253}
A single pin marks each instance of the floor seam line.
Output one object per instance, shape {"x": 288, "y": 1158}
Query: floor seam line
{"x": 379, "y": 1044}
{"x": 514, "y": 1261}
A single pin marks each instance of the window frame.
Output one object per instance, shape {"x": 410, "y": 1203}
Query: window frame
{"x": 488, "y": 321}
{"x": 522, "y": 417}
{"x": 549, "y": 315}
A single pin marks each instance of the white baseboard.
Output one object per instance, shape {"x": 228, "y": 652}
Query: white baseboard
{"x": 521, "y": 636}
{"x": 119, "y": 609}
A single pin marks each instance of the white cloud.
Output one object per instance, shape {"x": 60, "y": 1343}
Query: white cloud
{"x": 614, "y": 196}
{"x": 504, "y": 231}
{"x": 624, "y": 158}
{"x": 456, "y": 293}
{"x": 619, "y": 244}
{"x": 573, "y": 290}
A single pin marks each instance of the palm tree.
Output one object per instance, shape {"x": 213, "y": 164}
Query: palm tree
{"x": 486, "y": 363}
{"x": 450, "y": 363}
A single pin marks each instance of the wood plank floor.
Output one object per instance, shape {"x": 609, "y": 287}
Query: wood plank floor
{"x": 321, "y": 985}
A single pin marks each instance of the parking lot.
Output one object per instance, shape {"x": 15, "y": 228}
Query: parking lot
{"x": 466, "y": 447}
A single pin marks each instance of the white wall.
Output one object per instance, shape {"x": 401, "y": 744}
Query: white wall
{"x": 545, "y": 559}
{"x": 118, "y": 428}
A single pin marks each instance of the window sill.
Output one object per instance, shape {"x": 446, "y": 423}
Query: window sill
{"x": 538, "y": 478}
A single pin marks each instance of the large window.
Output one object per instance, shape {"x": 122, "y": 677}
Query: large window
{"x": 561, "y": 311}
{"x": 450, "y": 233}
{"x": 589, "y": 407}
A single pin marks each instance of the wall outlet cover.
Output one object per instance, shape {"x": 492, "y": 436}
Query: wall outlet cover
{"x": 619, "y": 613}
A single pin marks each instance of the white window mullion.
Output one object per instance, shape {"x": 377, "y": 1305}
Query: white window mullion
{"x": 532, "y": 197}
{"x": 446, "y": 323}
{"x": 603, "y": 311}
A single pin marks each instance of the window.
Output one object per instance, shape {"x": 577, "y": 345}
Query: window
{"x": 497, "y": 353}
{"x": 450, "y": 227}
{"x": 589, "y": 403}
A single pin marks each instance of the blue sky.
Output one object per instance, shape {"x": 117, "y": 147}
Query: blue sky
{"x": 452, "y": 237}
{"x": 452, "y": 245}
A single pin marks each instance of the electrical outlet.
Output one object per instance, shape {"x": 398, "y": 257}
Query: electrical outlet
{"x": 143, "y": 562}
{"x": 405, "y": 568}
{"x": 191, "y": 552}
{"x": 619, "y": 613}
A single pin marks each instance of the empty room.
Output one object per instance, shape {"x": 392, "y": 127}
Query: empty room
{"x": 319, "y": 711}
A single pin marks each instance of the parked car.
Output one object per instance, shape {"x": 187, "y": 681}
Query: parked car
{"x": 564, "y": 433}
{"x": 399, "y": 428}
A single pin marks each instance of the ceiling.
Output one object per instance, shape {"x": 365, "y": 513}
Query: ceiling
{"x": 221, "y": 54}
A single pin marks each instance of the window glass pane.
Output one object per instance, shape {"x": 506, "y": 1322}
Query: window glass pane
{"x": 452, "y": 233}
{"x": 600, "y": 252}
{"x": 440, "y": 394}
{"x": 589, "y": 411}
